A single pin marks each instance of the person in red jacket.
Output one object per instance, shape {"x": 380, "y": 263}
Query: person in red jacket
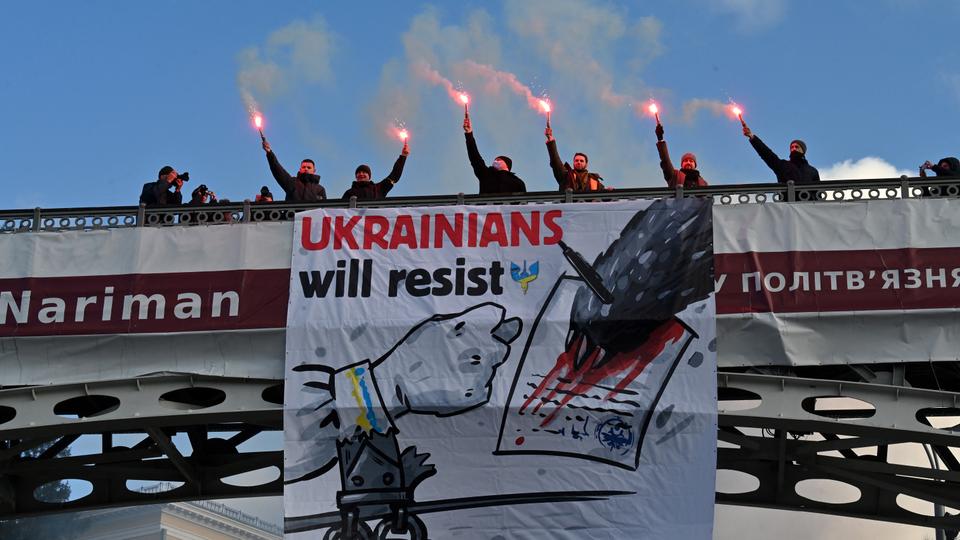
{"x": 688, "y": 176}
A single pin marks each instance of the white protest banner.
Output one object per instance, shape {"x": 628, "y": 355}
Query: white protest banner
{"x": 838, "y": 283}
{"x": 535, "y": 371}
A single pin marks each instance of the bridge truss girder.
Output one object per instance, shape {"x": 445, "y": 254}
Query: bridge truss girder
{"x": 780, "y": 442}
{"x": 216, "y": 414}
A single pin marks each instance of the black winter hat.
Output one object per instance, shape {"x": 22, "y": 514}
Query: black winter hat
{"x": 508, "y": 161}
{"x": 952, "y": 167}
{"x": 802, "y": 144}
{"x": 365, "y": 168}
{"x": 164, "y": 171}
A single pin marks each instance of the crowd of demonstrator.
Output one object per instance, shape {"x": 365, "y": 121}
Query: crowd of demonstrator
{"x": 498, "y": 178}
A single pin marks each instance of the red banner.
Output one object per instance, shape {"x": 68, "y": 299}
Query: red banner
{"x": 144, "y": 303}
{"x": 852, "y": 280}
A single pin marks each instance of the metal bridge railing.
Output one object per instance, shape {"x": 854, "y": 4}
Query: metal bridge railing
{"x": 71, "y": 219}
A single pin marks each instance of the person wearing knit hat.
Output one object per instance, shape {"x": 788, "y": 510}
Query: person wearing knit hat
{"x": 948, "y": 166}
{"x": 688, "y": 176}
{"x": 796, "y": 168}
{"x": 364, "y": 189}
{"x": 498, "y": 177}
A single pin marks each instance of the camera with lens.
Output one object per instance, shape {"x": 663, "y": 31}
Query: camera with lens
{"x": 265, "y": 195}
{"x": 200, "y": 192}
{"x": 185, "y": 176}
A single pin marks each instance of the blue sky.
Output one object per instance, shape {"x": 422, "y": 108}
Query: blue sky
{"x": 97, "y": 96}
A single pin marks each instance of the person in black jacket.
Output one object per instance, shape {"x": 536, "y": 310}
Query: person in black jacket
{"x": 305, "y": 187}
{"x": 159, "y": 192}
{"x": 796, "y": 168}
{"x": 948, "y": 166}
{"x": 498, "y": 177}
{"x": 365, "y": 190}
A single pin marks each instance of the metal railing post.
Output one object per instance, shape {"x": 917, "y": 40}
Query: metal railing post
{"x": 678, "y": 191}
{"x": 36, "y": 219}
{"x": 141, "y": 215}
{"x": 460, "y": 199}
{"x": 568, "y": 195}
{"x": 247, "y": 216}
{"x": 905, "y": 187}
{"x": 791, "y": 191}
{"x": 353, "y": 201}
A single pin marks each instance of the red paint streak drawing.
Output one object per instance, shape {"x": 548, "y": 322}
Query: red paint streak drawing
{"x": 571, "y": 380}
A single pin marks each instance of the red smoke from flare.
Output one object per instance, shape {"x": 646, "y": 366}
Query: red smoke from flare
{"x": 495, "y": 80}
{"x": 433, "y": 76}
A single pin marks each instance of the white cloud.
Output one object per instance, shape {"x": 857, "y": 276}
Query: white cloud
{"x": 864, "y": 168}
{"x": 575, "y": 45}
{"x": 692, "y": 106}
{"x": 298, "y": 53}
{"x": 578, "y": 37}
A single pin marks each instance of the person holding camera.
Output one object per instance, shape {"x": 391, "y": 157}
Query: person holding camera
{"x": 365, "y": 189}
{"x": 688, "y": 176}
{"x": 948, "y": 166}
{"x": 159, "y": 192}
{"x": 264, "y": 196}
{"x": 202, "y": 195}
{"x": 305, "y": 187}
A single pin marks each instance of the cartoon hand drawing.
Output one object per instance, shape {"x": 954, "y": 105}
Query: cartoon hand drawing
{"x": 352, "y": 411}
{"x": 444, "y": 365}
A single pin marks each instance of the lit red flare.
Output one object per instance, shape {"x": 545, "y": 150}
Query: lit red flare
{"x": 403, "y": 134}
{"x": 737, "y": 111}
{"x": 258, "y": 122}
{"x": 465, "y": 99}
{"x": 545, "y": 107}
{"x": 654, "y": 110}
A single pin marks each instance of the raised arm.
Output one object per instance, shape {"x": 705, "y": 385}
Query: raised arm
{"x": 473, "y": 153}
{"x": 387, "y": 183}
{"x": 669, "y": 172}
{"x": 556, "y": 164}
{"x": 279, "y": 173}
